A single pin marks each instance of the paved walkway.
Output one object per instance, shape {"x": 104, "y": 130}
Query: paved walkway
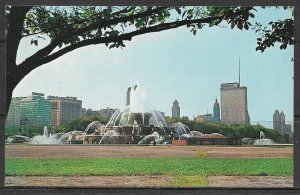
{"x": 146, "y": 181}
{"x": 86, "y": 151}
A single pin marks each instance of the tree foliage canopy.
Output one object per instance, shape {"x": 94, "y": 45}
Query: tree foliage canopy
{"x": 238, "y": 131}
{"x": 69, "y": 28}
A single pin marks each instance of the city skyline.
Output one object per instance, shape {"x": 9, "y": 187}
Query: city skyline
{"x": 182, "y": 66}
{"x": 208, "y": 117}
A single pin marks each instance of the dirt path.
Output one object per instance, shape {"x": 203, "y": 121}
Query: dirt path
{"x": 250, "y": 181}
{"x": 86, "y": 151}
{"x": 146, "y": 181}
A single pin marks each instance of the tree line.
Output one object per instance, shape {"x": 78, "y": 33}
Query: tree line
{"x": 238, "y": 131}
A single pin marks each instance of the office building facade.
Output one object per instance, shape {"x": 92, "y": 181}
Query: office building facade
{"x": 175, "y": 109}
{"x": 234, "y": 109}
{"x": 64, "y": 109}
{"x": 35, "y": 110}
{"x": 14, "y": 113}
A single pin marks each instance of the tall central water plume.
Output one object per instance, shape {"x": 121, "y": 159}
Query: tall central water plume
{"x": 137, "y": 120}
{"x": 138, "y": 112}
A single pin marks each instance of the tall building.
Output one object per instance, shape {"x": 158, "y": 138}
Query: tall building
{"x": 234, "y": 108}
{"x": 14, "y": 113}
{"x": 276, "y": 120}
{"x": 64, "y": 109}
{"x": 216, "y": 116}
{"x": 282, "y": 122}
{"x": 279, "y": 122}
{"x": 176, "y": 109}
{"x": 35, "y": 110}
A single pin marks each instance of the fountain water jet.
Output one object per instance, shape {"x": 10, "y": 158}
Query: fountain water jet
{"x": 262, "y": 140}
{"x": 46, "y": 138}
{"x": 136, "y": 120}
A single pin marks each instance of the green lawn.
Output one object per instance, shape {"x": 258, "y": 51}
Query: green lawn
{"x": 148, "y": 166}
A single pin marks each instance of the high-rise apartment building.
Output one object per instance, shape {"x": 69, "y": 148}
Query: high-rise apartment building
{"x": 64, "y": 109}
{"x": 35, "y": 110}
{"x": 216, "y": 116}
{"x": 176, "y": 109}
{"x": 14, "y": 113}
{"x": 234, "y": 108}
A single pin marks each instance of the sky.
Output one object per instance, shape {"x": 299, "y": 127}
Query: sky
{"x": 169, "y": 65}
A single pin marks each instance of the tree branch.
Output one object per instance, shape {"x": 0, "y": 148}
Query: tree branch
{"x": 43, "y": 56}
{"x": 105, "y": 23}
{"x": 123, "y": 11}
{"x": 30, "y": 65}
{"x": 101, "y": 24}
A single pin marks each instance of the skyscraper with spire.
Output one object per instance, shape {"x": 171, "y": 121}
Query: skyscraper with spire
{"x": 216, "y": 116}
{"x": 234, "y": 105}
{"x": 175, "y": 109}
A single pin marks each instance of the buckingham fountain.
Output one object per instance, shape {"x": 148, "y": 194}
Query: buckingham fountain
{"x": 136, "y": 124}
{"x": 139, "y": 124}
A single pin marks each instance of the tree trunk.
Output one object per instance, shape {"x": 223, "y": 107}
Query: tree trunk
{"x": 11, "y": 83}
{"x": 15, "y": 20}
{"x": 9, "y": 92}
{"x": 14, "y": 75}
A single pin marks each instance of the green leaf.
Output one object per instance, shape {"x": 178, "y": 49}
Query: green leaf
{"x": 152, "y": 21}
{"x": 232, "y": 25}
{"x": 131, "y": 12}
{"x": 112, "y": 45}
{"x": 194, "y": 32}
{"x": 240, "y": 26}
{"x": 217, "y": 21}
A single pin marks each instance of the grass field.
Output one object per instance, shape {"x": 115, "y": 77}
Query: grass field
{"x": 183, "y": 167}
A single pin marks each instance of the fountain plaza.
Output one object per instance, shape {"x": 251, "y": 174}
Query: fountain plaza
{"x": 136, "y": 124}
